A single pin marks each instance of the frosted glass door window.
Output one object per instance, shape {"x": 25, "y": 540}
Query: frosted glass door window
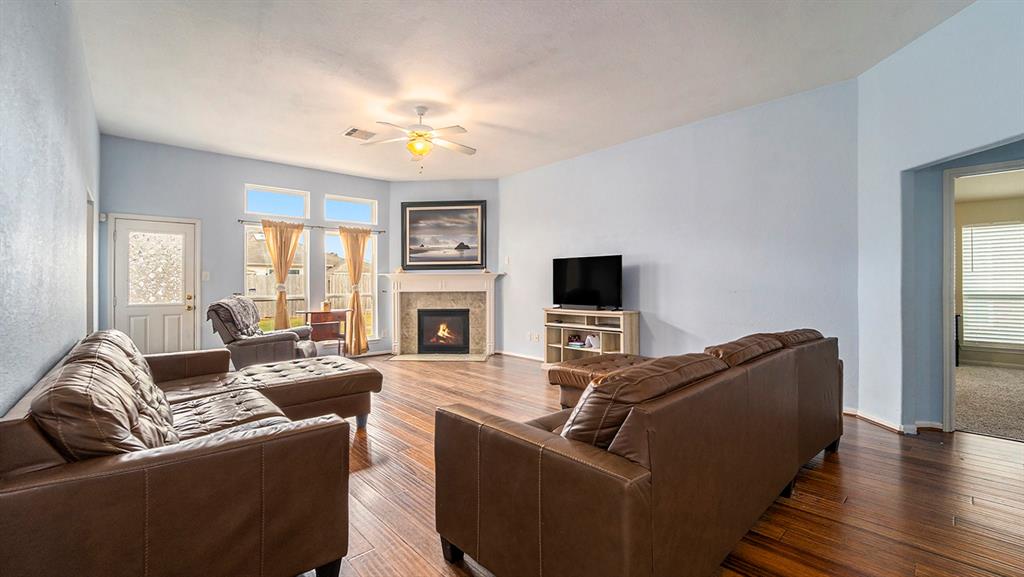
{"x": 156, "y": 268}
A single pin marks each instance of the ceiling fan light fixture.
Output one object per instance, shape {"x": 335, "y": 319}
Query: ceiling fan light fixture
{"x": 419, "y": 146}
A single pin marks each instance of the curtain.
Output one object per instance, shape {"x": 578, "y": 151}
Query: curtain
{"x": 354, "y": 240}
{"x": 282, "y": 239}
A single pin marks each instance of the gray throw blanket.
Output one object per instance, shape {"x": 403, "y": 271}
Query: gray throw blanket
{"x": 240, "y": 312}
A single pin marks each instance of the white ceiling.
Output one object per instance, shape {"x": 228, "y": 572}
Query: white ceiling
{"x": 534, "y": 82}
{"x": 1006, "y": 184}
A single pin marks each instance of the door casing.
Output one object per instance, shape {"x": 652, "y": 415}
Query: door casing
{"x": 111, "y": 220}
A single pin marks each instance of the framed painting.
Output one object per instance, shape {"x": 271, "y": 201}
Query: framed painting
{"x": 444, "y": 235}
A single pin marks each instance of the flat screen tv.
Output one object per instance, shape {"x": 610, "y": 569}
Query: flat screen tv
{"x": 590, "y": 281}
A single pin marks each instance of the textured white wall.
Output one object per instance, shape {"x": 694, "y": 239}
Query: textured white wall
{"x": 49, "y": 147}
{"x": 955, "y": 89}
{"x": 741, "y": 223}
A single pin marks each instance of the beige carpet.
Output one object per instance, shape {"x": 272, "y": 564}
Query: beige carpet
{"x": 990, "y": 401}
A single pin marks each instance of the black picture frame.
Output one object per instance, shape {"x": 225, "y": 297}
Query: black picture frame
{"x": 415, "y": 226}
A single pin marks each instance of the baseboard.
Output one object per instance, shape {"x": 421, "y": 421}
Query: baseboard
{"x": 994, "y": 364}
{"x": 878, "y": 422}
{"x": 907, "y": 429}
{"x": 371, "y": 354}
{"x": 519, "y": 356}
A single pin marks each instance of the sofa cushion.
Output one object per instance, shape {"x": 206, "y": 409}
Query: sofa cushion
{"x": 305, "y": 349}
{"x": 797, "y": 336}
{"x": 215, "y": 413}
{"x": 101, "y": 400}
{"x": 578, "y": 373}
{"x": 117, "y": 351}
{"x": 607, "y": 401}
{"x": 178, "y": 390}
{"x": 745, "y": 349}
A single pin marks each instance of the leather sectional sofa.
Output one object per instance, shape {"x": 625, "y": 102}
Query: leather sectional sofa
{"x": 659, "y": 470}
{"x": 119, "y": 464}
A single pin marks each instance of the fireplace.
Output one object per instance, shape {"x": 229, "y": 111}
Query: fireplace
{"x": 443, "y": 331}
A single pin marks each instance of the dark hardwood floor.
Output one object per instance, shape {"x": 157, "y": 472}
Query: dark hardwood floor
{"x": 934, "y": 505}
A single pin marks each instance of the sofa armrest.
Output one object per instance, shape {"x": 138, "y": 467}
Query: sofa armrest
{"x": 240, "y": 503}
{"x": 519, "y": 499}
{"x": 552, "y": 421}
{"x": 266, "y": 338}
{"x": 302, "y": 332}
{"x": 171, "y": 366}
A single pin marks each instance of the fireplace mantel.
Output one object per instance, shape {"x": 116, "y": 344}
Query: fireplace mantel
{"x": 425, "y": 282}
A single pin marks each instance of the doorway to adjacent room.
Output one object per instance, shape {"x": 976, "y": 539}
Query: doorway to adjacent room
{"x": 986, "y": 239}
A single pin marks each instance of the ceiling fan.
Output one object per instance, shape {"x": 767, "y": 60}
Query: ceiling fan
{"x": 420, "y": 139}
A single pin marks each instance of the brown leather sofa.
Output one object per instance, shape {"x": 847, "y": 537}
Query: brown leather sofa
{"x": 105, "y": 472}
{"x": 659, "y": 470}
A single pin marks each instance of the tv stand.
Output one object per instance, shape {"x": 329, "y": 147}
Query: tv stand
{"x": 616, "y": 331}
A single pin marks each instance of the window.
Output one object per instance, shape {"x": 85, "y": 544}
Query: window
{"x": 273, "y": 201}
{"x": 992, "y": 271}
{"x": 338, "y": 285}
{"x": 260, "y": 283}
{"x": 345, "y": 209}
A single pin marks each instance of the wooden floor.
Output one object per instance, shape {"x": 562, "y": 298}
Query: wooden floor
{"x": 935, "y": 505}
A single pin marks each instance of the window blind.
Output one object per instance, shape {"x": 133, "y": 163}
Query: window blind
{"x": 993, "y": 283}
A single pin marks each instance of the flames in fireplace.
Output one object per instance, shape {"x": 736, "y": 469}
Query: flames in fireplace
{"x": 442, "y": 331}
{"x": 444, "y": 335}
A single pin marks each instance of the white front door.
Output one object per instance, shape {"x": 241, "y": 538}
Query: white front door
{"x": 154, "y": 283}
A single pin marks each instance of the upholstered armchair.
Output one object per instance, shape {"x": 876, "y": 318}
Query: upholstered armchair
{"x": 236, "y": 320}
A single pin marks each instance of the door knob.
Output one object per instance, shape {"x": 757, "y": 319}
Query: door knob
{"x": 189, "y": 307}
{"x": 188, "y": 297}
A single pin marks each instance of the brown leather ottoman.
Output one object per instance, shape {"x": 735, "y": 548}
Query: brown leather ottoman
{"x": 574, "y": 376}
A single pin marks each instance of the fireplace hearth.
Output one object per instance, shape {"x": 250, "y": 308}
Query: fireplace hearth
{"x": 443, "y": 331}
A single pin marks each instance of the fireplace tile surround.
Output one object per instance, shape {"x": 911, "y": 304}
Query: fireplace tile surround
{"x": 443, "y": 290}
{"x": 412, "y": 302}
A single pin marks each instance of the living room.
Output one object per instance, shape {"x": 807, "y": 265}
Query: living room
{"x": 581, "y": 224}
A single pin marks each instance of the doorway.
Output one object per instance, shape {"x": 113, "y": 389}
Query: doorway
{"x": 154, "y": 291}
{"x": 984, "y": 379}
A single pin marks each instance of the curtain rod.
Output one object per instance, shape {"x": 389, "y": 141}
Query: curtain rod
{"x": 242, "y": 221}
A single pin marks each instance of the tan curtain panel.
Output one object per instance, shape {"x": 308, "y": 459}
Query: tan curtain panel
{"x": 354, "y": 242}
{"x": 282, "y": 240}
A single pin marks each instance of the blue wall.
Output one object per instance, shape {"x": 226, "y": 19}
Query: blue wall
{"x": 160, "y": 180}
{"x": 922, "y": 282}
{"x": 955, "y": 90}
{"x": 740, "y": 223}
{"x": 48, "y": 158}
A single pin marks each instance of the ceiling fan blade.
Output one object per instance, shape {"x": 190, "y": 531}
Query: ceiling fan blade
{"x": 455, "y": 129}
{"x": 454, "y": 146}
{"x": 399, "y": 139}
{"x": 395, "y": 126}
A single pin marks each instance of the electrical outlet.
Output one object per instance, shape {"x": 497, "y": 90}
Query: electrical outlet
{"x": 536, "y": 337}
{"x": 508, "y": 260}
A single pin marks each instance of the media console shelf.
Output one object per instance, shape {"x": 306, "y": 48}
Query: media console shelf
{"x": 616, "y": 332}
